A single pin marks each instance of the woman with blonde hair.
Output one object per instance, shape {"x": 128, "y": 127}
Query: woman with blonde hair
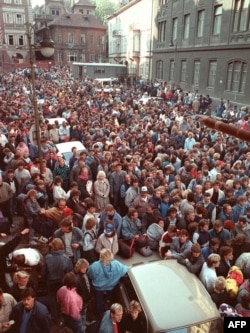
{"x": 105, "y": 274}
{"x": 208, "y": 272}
{"x": 21, "y": 281}
{"x": 101, "y": 190}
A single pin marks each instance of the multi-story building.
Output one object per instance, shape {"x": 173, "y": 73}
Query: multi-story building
{"x": 78, "y": 35}
{"x": 203, "y": 45}
{"x": 130, "y": 37}
{"x": 14, "y": 14}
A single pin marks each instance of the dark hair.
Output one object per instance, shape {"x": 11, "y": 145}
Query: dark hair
{"x": 66, "y": 222}
{"x": 70, "y": 280}
{"x": 28, "y": 292}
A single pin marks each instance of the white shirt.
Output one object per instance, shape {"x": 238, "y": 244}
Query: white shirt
{"x": 32, "y": 256}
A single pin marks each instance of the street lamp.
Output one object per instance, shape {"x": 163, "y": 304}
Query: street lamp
{"x": 47, "y": 50}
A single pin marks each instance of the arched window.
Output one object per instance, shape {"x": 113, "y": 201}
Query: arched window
{"x": 159, "y": 70}
{"x": 236, "y": 76}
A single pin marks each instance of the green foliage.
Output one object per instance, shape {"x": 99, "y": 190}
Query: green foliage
{"x": 104, "y": 8}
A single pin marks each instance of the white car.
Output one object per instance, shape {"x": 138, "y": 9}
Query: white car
{"x": 65, "y": 149}
{"x": 146, "y": 99}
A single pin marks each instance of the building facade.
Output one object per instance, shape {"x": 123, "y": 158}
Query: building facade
{"x": 203, "y": 45}
{"x": 77, "y": 34}
{"x": 14, "y": 14}
{"x": 130, "y": 37}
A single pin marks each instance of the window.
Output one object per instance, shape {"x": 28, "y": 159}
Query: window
{"x": 159, "y": 70}
{"x": 200, "y": 26}
{"x": 136, "y": 43}
{"x": 59, "y": 37}
{"x": 162, "y": 31}
{"x": 21, "y": 40}
{"x": 82, "y": 39}
{"x": 60, "y": 57}
{"x": 141, "y": 70}
{"x": 91, "y": 39}
{"x": 9, "y": 18}
{"x": 146, "y": 69}
{"x": 7, "y": 1}
{"x": 99, "y": 70}
{"x": 196, "y": 77}
{"x": 82, "y": 58}
{"x": 236, "y": 76}
{"x": 162, "y": 2}
{"x": 10, "y": 39}
{"x": 100, "y": 40}
{"x": 19, "y": 19}
{"x": 70, "y": 37}
{"x": 171, "y": 71}
{"x": 212, "y": 73}
{"x": 18, "y": 2}
{"x": 174, "y": 32}
{"x": 217, "y": 20}
{"x": 240, "y": 15}
{"x": 186, "y": 26}
{"x": 183, "y": 70}
{"x": 55, "y": 12}
{"x": 71, "y": 56}
{"x": 92, "y": 57}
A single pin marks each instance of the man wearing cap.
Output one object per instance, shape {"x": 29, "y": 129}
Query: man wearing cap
{"x": 140, "y": 202}
{"x": 108, "y": 239}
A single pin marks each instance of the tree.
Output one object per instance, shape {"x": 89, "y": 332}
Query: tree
{"x": 104, "y": 8}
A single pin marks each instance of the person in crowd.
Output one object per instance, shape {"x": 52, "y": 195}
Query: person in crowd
{"x": 226, "y": 254}
{"x": 192, "y": 259}
{"x": 70, "y": 303}
{"x": 84, "y": 289}
{"x": 110, "y": 214}
{"x": 72, "y": 238}
{"x": 151, "y": 215}
{"x": 220, "y": 294}
{"x": 242, "y": 227}
{"x": 89, "y": 240}
{"x": 31, "y": 209}
{"x": 111, "y": 320}
{"x": 140, "y": 201}
{"x": 116, "y": 180}
{"x": 134, "y": 321}
{"x": 179, "y": 245}
{"x": 212, "y": 247}
{"x": 101, "y": 189}
{"x": 7, "y": 303}
{"x": 6, "y": 194}
{"x": 219, "y": 232}
{"x": 104, "y": 275}
{"x": 58, "y": 191}
{"x": 56, "y": 265}
{"x": 21, "y": 280}
{"x": 108, "y": 239}
{"x": 208, "y": 272}
{"x": 166, "y": 239}
{"x": 29, "y": 315}
{"x": 154, "y": 233}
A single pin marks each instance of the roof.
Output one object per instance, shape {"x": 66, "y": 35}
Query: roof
{"x": 86, "y": 3}
{"x": 166, "y": 288}
{"x": 77, "y": 20}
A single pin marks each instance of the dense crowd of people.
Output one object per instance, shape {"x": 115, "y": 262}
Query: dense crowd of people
{"x": 152, "y": 173}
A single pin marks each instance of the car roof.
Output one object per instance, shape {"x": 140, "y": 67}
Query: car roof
{"x": 170, "y": 295}
{"x": 66, "y": 147}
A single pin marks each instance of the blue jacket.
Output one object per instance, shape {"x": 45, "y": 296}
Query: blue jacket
{"x": 56, "y": 265}
{"x": 106, "y": 325}
{"x": 129, "y": 228}
{"x": 117, "y": 219}
{"x": 105, "y": 278}
{"x": 39, "y": 321}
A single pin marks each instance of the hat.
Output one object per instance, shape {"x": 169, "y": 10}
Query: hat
{"x": 144, "y": 189}
{"x": 109, "y": 229}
